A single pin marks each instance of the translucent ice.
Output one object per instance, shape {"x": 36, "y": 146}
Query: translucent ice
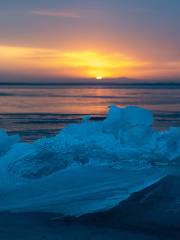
{"x": 107, "y": 159}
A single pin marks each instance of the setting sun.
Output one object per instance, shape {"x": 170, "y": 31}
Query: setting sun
{"x": 99, "y": 78}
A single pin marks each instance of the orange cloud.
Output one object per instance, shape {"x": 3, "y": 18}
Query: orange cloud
{"x": 57, "y": 63}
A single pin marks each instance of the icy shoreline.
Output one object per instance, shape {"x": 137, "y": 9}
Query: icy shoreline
{"x": 87, "y": 167}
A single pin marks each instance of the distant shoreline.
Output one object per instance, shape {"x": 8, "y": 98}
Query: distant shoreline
{"x": 41, "y": 85}
{"x": 89, "y": 84}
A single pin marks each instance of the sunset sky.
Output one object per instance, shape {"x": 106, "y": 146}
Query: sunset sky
{"x": 58, "y": 39}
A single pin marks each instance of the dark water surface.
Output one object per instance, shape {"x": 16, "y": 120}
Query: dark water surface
{"x": 34, "y": 111}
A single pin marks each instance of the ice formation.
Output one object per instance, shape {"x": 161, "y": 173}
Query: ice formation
{"x": 7, "y": 141}
{"x": 87, "y": 167}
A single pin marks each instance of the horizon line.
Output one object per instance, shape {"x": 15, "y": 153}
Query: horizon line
{"x": 92, "y": 83}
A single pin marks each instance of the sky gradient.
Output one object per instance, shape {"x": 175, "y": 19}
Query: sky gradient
{"x": 75, "y": 38}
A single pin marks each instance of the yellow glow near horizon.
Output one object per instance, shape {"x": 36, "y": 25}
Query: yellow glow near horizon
{"x": 92, "y": 63}
{"x": 57, "y": 63}
{"x": 99, "y": 78}
{"x": 88, "y": 64}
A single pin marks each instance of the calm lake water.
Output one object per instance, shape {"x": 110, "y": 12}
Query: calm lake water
{"x": 34, "y": 111}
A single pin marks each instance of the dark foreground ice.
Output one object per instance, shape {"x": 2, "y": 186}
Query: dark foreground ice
{"x": 150, "y": 214}
{"x": 41, "y": 227}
